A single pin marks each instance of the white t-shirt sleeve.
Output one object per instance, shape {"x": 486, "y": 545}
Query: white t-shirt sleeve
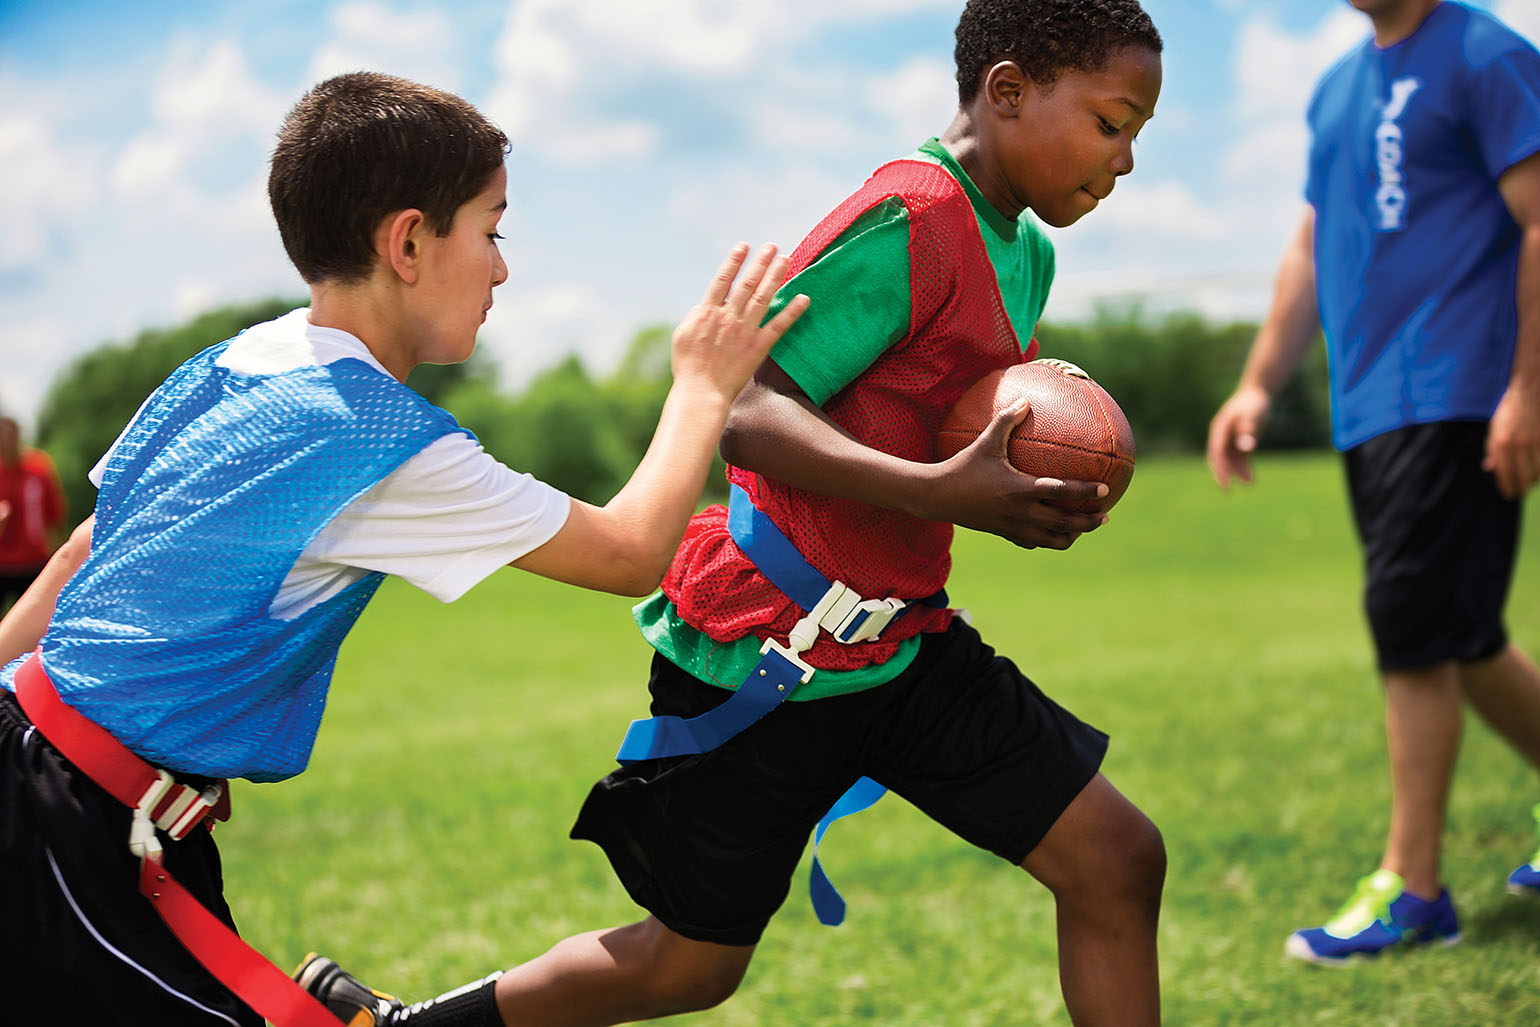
{"x": 444, "y": 520}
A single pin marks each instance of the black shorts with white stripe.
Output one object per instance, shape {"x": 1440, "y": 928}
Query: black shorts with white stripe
{"x": 78, "y": 943}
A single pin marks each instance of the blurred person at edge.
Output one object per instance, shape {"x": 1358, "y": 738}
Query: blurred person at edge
{"x": 31, "y": 512}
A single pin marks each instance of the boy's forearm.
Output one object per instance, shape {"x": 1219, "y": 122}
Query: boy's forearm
{"x": 625, "y": 546}
{"x": 657, "y": 501}
{"x": 776, "y": 431}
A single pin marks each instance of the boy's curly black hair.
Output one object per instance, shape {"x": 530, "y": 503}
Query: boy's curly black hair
{"x": 1046, "y": 37}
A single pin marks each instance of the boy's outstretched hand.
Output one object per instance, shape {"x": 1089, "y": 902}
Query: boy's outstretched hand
{"x": 978, "y": 488}
{"x": 721, "y": 341}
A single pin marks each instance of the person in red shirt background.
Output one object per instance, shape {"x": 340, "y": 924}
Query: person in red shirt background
{"x": 31, "y": 512}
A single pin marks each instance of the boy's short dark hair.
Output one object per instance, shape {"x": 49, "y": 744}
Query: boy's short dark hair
{"x": 361, "y": 146}
{"x": 1046, "y": 37}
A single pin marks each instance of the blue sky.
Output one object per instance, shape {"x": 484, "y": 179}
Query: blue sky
{"x": 648, "y": 137}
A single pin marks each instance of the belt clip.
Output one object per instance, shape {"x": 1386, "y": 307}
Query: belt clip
{"x": 792, "y": 656}
{"x": 142, "y": 841}
{"x": 867, "y": 620}
{"x": 188, "y": 810}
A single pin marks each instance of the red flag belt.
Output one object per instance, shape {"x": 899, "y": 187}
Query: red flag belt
{"x": 159, "y": 801}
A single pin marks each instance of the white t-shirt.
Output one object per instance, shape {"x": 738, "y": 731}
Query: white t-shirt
{"x": 446, "y": 518}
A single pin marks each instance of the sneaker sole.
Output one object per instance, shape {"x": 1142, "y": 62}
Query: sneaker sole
{"x": 1298, "y": 948}
{"x": 1522, "y": 889}
{"x": 308, "y": 969}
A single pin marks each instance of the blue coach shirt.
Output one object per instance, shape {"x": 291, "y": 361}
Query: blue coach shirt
{"x": 1416, "y": 254}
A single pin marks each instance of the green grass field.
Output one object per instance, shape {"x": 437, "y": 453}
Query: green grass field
{"x": 1216, "y": 637}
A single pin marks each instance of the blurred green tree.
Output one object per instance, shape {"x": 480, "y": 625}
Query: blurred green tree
{"x": 1170, "y": 375}
{"x": 585, "y": 435}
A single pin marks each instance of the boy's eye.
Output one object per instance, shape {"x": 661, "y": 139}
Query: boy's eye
{"x": 494, "y": 236}
{"x": 1108, "y": 128}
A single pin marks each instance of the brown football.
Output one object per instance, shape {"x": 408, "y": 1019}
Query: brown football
{"x": 1074, "y": 431}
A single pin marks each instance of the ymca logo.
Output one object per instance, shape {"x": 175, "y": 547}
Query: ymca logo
{"x": 1390, "y": 156}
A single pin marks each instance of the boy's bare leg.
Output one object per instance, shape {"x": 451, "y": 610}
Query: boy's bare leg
{"x": 1422, "y": 733}
{"x": 620, "y": 975}
{"x": 1105, "y": 863}
{"x": 1505, "y": 690}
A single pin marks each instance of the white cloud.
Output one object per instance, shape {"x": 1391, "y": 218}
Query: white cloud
{"x": 192, "y": 296}
{"x": 44, "y": 182}
{"x": 802, "y": 194}
{"x": 542, "y": 99}
{"x": 418, "y": 45}
{"x": 1272, "y": 151}
{"x": 1164, "y": 208}
{"x": 1159, "y": 289}
{"x": 29, "y": 363}
{"x": 1523, "y": 16}
{"x": 562, "y": 65}
{"x": 917, "y": 99}
{"x": 202, "y": 102}
{"x": 1275, "y": 71}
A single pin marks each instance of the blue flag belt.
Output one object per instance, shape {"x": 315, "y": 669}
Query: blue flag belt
{"x": 831, "y": 607}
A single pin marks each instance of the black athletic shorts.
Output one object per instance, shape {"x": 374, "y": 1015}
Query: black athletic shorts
{"x": 1440, "y": 543}
{"x": 708, "y": 844}
{"x": 78, "y": 943}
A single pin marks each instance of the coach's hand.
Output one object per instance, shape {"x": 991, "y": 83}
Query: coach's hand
{"x": 1513, "y": 442}
{"x": 1233, "y": 434}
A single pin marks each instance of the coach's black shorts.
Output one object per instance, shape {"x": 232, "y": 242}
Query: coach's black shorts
{"x": 708, "y": 844}
{"x": 1440, "y": 543}
{"x": 78, "y": 943}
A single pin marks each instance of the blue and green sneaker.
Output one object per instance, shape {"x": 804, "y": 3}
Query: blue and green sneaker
{"x": 1381, "y": 913}
{"x": 1526, "y": 879}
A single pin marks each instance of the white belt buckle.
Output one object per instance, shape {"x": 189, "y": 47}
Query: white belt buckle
{"x": 879, "y": 613}
{"x": 141, "y": 832}
{"x": 791, "y": 656}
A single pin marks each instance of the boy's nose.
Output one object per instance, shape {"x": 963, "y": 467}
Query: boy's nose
{"x": 1123, "y": 163}
{"x": 499, "y": 268}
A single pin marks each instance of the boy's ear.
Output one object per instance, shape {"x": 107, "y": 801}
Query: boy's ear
{"x": 1005, "y": 88}
{"x": 397, "y": 243}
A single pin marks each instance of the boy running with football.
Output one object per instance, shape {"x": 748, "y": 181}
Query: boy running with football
{"x": 926, "y": 278}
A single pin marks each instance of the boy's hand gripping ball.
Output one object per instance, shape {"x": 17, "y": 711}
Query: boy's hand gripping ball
{"x": 1074, "y": 431}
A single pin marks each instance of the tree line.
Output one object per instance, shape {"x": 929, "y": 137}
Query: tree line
{"x": 584, "y": 433}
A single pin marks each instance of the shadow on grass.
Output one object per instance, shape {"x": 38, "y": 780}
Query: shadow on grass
{"x": 1516, "y": 920}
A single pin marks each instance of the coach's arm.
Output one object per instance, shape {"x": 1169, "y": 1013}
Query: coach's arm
{"x": 1513, "y": 438}
{"x": 1292, "y": 323}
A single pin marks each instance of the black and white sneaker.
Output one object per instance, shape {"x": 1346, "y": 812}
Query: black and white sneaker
{"x": 345, "y": 996}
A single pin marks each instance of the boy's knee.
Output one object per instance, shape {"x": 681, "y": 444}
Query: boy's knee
{"x": 1134, "y": 866}
{"x": 1145, "y": 856}
{"x": 1127, "y": 863}
{"x": 689, "y": 989}
{"x": 675, "y": 974}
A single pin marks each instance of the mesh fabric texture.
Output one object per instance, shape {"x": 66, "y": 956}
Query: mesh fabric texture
{"x": 958, "y": 331}
{"x": 163, "y": 636}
